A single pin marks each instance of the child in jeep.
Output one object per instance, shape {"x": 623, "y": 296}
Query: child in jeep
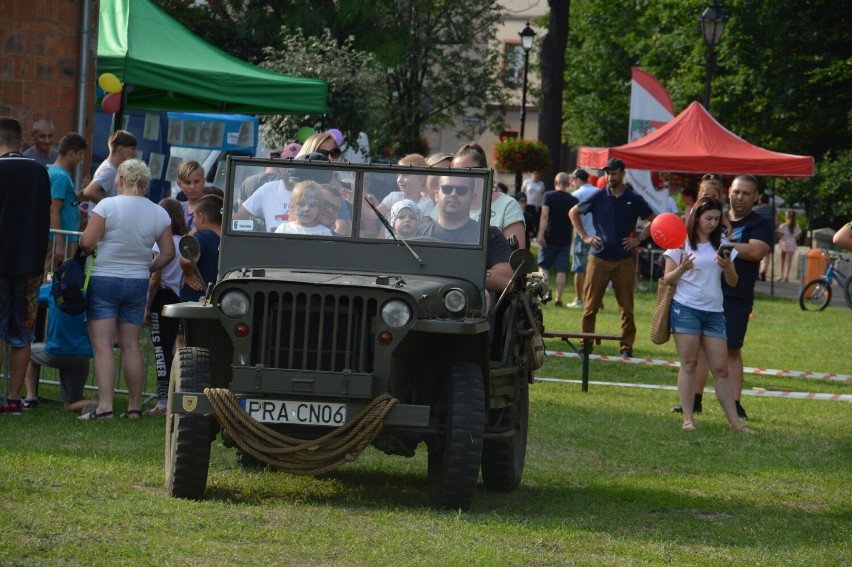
{"x": 405, "y": 217}
{"x": 305, "y": 203}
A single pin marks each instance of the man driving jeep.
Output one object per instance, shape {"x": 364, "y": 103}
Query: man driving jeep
{"x": 454, "y": 200}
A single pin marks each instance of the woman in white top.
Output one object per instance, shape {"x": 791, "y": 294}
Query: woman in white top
{"x": 124, "y": 228}
{"x": 697, "y": 317}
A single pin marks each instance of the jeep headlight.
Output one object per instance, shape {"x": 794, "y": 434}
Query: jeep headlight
{"x": 234, "y": 303}
{"x": 455, "y": 301}
{"x": 396, "y": 313}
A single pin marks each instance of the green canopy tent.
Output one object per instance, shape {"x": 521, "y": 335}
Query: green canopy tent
{"x": 170, "y": 68}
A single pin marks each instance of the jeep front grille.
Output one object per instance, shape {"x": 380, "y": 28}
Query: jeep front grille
{"x": 313, "y": 331}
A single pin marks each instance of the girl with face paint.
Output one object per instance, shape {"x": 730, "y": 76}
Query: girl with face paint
{"x": 305, "y": 204}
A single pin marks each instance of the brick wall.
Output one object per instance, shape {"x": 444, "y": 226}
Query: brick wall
{"x": 39, "y": 62}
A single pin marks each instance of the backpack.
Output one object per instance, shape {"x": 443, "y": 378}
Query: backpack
{"x": 70, "y": 282}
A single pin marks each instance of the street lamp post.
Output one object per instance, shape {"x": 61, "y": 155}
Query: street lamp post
{"x": 527, "y": 37}
{"x": 712, "y": 22}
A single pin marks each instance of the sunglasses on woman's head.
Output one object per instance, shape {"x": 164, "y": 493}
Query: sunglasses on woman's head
{"x": 461, "y": 190}
{"x": 333, "y": 153}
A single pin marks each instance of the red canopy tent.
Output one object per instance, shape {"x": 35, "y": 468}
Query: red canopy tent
{"x": 694, "y": 142}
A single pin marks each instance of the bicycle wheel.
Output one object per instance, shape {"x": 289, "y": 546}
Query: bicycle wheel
{"x": 815, "y": 296}
{"x": 848, "y": 291}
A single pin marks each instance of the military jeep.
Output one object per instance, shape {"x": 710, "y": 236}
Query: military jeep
{"x": 311, "y": 347}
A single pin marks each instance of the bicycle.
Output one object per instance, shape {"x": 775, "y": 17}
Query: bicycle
{"x": 816, "y": 295}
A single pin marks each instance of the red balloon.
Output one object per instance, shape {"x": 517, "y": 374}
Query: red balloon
{"x": 593, "y": 180}
{"x": 111, "y": 103}
{"x": 601, "y": 182}
{"x": 668, "y": 231}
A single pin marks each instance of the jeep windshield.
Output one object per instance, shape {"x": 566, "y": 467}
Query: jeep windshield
{"x": 355, "y": 218}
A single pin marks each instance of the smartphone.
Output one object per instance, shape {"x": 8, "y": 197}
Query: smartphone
{"x": 724, "y": 250}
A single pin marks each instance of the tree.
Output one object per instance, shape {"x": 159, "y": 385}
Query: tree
{"x": 441, "y": 57}
{"x": 354, "y": 84}
{"x": 782, "y": 81}
{"x": 552, "y": 60}
{"x": 444, "y": 63}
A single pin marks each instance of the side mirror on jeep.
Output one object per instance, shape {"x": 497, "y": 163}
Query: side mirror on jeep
{"x": 190, "y": 249}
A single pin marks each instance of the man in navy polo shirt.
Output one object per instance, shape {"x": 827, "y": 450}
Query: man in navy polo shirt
{"x": 614, "y": 212}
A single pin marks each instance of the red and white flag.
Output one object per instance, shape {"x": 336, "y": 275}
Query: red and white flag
{"x": 650, "y": 108}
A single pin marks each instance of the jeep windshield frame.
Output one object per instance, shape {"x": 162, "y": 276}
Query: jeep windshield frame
{"x": 309, "y": 238}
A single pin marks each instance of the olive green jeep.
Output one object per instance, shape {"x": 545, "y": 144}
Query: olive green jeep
{"x": 326, "y": 332}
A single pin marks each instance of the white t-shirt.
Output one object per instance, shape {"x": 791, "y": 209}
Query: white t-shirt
{"x": 172, "y": 273}
{"x": 504, "y": 211}
{"x": 534, "y": 191}
{"x": 270, "y": 202}
{"x": 293, "y": 228}
{"x": 583, "y": 193}
{"x": 701, "y": 287}
{"x": 105, "y": 177}
{"x": 671, "y": 206}
{"x": 425, "y": 204}
{"x": 131, "y": 227}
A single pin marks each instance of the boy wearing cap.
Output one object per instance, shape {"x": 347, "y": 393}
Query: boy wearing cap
{"x": 614, "y": 211}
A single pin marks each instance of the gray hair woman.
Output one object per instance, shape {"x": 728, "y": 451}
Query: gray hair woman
{"x": 124, "y": 229}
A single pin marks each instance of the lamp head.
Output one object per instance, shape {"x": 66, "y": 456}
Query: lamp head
{"x": 713, "y": 21}
{"x": 527, "y": 37}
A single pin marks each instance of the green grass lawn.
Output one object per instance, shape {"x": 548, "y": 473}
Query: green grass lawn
{"x": 610, "y": 479}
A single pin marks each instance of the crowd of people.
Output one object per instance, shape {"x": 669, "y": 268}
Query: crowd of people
{"x": 128, "y": 244}
{"x": 135, "y": 270}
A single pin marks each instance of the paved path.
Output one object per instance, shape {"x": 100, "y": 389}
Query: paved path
{"x": 791, "y": 291}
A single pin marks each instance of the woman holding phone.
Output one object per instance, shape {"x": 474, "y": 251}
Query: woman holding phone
{"x": 697, "y": 316}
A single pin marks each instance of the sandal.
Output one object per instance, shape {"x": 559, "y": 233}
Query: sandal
{"x": 132, "y": 414}
{"x": 95, "y": 415}
{"x": 157, "y": 410}
{"x": 688, "y": 426}
{"x": 744, "y": 429}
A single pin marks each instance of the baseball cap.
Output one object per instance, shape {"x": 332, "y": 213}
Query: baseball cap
{"x": 288, "y": 151}
{"x": 614, "y": 163}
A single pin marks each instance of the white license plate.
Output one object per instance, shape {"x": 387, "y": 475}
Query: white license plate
{"x": 295, "y": 412}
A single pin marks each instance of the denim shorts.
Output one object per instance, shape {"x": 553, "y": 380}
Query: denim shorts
{"x": 18, "y": 307}
{"x": 689, "y": 321}
{"x": 581, "y": 256}
{"x": 117, "y": 298}
{"x": 557, "y": 256}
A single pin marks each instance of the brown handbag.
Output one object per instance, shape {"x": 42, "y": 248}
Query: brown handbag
{"x": 660, "y": 331}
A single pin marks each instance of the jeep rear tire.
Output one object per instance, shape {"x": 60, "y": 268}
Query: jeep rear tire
{"x": 188, "y": 437}
{"x": 455, "y": 455}
{"x": 503, "y": 458}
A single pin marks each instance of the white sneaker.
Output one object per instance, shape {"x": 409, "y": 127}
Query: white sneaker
{"x": 576, "y": 304}
{"x": 641, "y": 286}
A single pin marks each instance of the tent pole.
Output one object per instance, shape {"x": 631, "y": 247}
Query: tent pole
{"x": 772, "y": 244}
{"x": 118, "y": 118}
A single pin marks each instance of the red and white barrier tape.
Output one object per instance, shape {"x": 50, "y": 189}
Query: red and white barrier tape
{"x": 756, "y": 392}
{"x": 676, "y": 364}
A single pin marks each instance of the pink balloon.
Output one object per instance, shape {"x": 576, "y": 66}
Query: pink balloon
{"x": 668, "y": 231}
{"x": 338, "y": 135}
{"x": 111, "y": 103}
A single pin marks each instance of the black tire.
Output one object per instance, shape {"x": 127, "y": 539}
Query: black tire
{"x": 815, "y": 296}
{"x": 188, "y": 437}
{"x": 847, "y": 291}
{"x": 454, "y": 456}
{"x": 503, "y": 458}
